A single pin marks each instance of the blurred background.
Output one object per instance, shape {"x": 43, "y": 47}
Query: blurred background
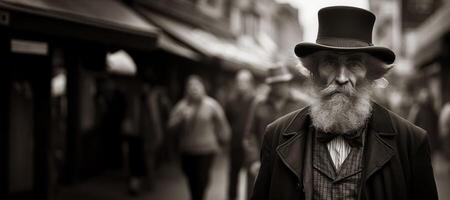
{"x": 87, "y": 87}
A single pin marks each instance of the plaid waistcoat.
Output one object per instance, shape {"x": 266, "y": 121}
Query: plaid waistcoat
{"x": 332, "y": 184}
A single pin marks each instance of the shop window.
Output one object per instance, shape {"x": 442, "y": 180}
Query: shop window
{"x": 212, "y": 8}
{"x": 21, "y": 154}
{"x": 212, "y": 3}
{"x": 191, "y": 1}
{"x": 251, "y": 24}
{"x": 236, "y": 20}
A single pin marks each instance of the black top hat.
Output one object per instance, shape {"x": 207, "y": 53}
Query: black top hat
{"x": 346, "y": 29}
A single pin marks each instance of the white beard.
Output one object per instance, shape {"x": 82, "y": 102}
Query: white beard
{"x": 341, "y": 113}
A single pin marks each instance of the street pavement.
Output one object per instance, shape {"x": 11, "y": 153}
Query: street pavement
{"x": 170, "y": 184}
{"x": 441, "y": 168}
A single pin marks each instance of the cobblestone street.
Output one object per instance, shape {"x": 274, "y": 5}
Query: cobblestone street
{"x": 170, "y": 185}
{"x": 442, "y": 175}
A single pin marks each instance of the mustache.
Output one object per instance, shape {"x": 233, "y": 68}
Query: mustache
{"x": 332, "y": 89}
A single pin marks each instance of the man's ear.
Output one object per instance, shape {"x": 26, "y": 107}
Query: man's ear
{"x": 380, "y": 83}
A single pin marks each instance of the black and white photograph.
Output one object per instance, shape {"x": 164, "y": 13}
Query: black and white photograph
{"x": 225, "y": 99}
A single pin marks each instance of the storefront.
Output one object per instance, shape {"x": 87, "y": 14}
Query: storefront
{"x": 429, "y": 47}
{"x": 55, "y": 78}
{"x": 219, "y": 56}
{"x": 46, "y": 46}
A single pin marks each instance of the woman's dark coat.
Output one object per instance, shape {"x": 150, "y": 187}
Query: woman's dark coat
{"x": 397, "y": 163}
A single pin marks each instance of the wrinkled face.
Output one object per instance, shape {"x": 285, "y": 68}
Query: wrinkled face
{"x": 340, "y": 74}
{"x": 343, "y": 92}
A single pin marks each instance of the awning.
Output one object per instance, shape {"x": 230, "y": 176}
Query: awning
{"x": 207, "y": 43}
{"x": 169, "y": 45}
{"x": 424, "y": 42}
{"x": 106, "y": 21}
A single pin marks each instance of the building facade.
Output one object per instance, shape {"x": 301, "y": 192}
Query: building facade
{"x": 62, "y": 119}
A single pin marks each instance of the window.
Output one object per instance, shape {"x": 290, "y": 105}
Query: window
{"x": 251, "y": 24}
{"x": 213, "y": 8}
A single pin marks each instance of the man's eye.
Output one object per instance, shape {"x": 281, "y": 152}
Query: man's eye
{"x": 329, "y": 64}
{"x": 327, "y": 68}
{"x": 354, "y": 66}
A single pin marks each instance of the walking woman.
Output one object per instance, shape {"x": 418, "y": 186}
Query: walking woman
{"x": 202, "y": 130}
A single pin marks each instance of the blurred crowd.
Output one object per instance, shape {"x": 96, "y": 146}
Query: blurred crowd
{"x": 197, "y": 128}
{"x": 194, "y": 130}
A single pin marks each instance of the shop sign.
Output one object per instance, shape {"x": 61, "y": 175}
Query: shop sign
{"x": 29, "y": 47}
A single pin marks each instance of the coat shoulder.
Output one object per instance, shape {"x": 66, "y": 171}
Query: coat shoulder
{"x": 292, "y": 121}
{"x": 401, "y": 125}
{"x": 210, "y": 101}
{"x": 407, "y": 132}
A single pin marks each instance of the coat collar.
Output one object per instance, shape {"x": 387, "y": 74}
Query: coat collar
{"x": 381, "y": 145}
{"x": 295, "y": 150}
{"x": 295, "y": 147}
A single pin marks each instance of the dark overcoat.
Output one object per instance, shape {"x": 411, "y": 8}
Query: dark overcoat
{"x": 396, "y": 159}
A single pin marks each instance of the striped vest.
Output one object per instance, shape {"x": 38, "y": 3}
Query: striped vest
{"x": 332, "y": 184}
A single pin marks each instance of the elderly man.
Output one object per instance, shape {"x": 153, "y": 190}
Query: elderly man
{"x": 344, "y": 146}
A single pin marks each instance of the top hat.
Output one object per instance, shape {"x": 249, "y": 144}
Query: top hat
{"x": 345, "y": 29}
{"x": 278, "y": 74}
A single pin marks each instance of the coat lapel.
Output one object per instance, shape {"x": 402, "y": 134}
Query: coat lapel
{"x": 291, "y": 153}
{"x": 380, "y": 141}
{"x": 295, "y": 150}
{"x": 291, "y": 149}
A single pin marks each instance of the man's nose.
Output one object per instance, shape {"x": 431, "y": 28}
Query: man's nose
{"x": 342, "y": 77}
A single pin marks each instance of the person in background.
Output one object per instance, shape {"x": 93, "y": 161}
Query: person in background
{"x": 423, "y": 115}
{"x": 237, "y": 109}
{"x": 444, "y": 129}
{"x": 344, "y": 146}
{"x": 203, "y": 130}
{"x": 152, "y": 127}
{"x": 278, "y": 102}
{"x": 134, "y": 143}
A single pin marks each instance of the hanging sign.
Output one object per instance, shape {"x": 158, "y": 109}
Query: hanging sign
{"x": 29, "y": 47}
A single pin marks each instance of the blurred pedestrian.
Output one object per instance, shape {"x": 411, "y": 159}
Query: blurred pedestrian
{"x": 278, "y": 102}
{"x": 237, "y": 109}
{"x": 152, "y": 129}
{"x": 444, "y": 129}
{"x": 423, "y": 114}
{"x": 160, "y": 106}
{"x": 134, "y": 143}
{"x": 110, "y": 112}
{"x": 344, "y": 146}
{"x": 203, "y": 130}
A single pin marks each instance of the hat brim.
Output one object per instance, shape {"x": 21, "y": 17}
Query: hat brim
{"x": 305, "y": 49}
{"x": 278, "y": 79}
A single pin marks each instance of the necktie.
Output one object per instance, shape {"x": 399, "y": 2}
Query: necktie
{"x": 353, "y": 138}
